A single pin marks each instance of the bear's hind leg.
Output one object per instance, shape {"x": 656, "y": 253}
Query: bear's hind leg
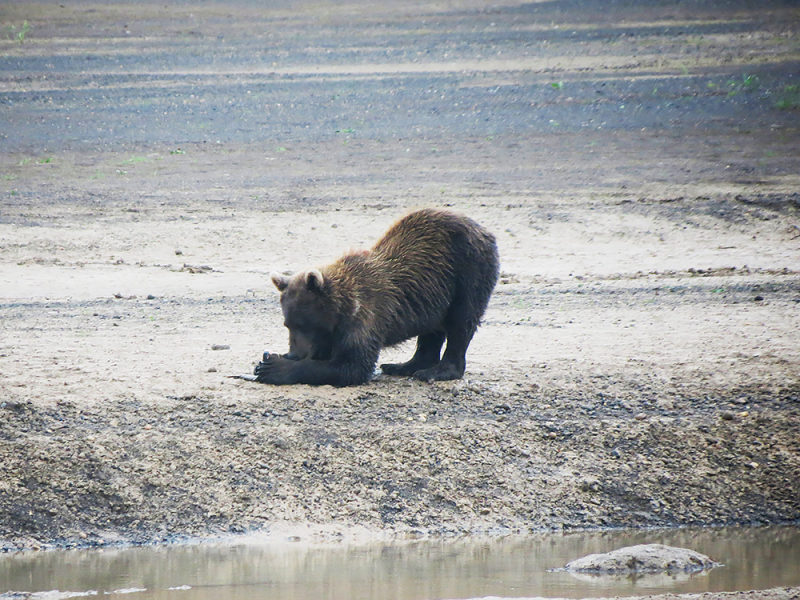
{"x": 453, "y": 361}
{"x": 471, "y": 297}
{"x": 429, "y": 348}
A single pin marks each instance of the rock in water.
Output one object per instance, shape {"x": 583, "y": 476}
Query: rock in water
{"x": 644, "y": 558}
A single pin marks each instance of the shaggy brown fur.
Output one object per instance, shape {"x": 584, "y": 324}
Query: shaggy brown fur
{"x": 429, "y": 277}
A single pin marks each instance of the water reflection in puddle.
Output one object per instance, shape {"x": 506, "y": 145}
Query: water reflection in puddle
{"x": 512, "y": 567}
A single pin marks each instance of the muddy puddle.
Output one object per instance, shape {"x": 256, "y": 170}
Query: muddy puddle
{"x": 509, "y": 567}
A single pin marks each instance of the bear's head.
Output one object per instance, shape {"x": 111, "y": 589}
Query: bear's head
{"x": 309, "y": 313}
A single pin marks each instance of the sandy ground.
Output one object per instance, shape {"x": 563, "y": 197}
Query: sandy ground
{"x": 639, "y": 364}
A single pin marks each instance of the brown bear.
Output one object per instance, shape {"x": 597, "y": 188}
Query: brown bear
{"x": 429, "y": 277}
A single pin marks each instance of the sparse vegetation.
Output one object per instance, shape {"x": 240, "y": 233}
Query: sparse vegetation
{"x": 135, "y": 159}
{"x": 747, "y": 83}
{"x": 18, "y": 34}
{"x": 789, "y": 98}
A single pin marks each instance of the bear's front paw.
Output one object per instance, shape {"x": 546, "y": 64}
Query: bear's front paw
{"x": 266, "y": 360}
{"x": 270, "y": 369}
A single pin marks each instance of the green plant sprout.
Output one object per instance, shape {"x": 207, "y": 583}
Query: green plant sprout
{"x": 20, "y": 35}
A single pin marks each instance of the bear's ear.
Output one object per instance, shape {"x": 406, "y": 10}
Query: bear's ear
{"x": 314, "y": 280}
{"x": 280, "y": 281}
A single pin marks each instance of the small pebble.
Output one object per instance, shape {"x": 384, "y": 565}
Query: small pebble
{"x": 297, "y": 418}
{"x": 220, "y": 347}
{"x": 665, "y": 404}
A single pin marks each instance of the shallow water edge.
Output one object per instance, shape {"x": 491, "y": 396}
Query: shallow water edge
{"x": 276, "y": 565}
